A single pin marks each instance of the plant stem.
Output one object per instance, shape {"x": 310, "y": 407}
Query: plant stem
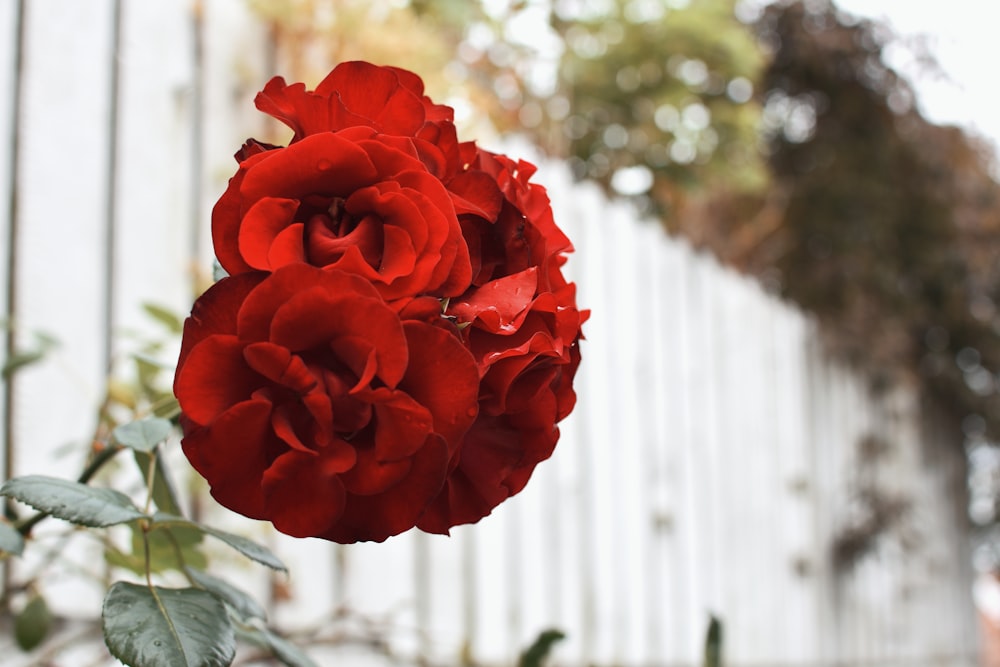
{"x": 150, "y": 480}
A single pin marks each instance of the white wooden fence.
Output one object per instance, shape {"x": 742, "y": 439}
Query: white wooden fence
{"x": 717, "y": 461}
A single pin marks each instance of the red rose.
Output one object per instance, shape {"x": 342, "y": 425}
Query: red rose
{"x": 506, "y": 220}
{"x": 308, "y": 402}
{"x": 353, "y": 200}
{"x": 397, "y": 342}
{"x": 526, "y": 346}
{"x": 388, "y": 99}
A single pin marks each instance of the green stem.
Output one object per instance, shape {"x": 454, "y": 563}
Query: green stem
{"x": 88, "y": 473}
{"x": 145, "y": 547}
{"x": 150, "y": 480}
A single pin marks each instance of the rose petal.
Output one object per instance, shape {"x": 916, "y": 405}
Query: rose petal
{"x": 288, "y": 247}
{"x": 215, "y": 377}
{"x": 401, "y": 424}
{"x": 375, "y": 93}
{"x": 498, "y": 303}
{"x": 351, "y": 327}
{"x": 396, "y": 509}
{"x": 477, "y": 193}
{"x": 214, "y": 312}
{"x": 325, "y": 164}
{"x": 370, "y": 475}
{"x": 303, "y": 494}
{"x": 258, "y": 308}
{"x": 443, "y": 377}
{"x": 231, "y": 453}
{"x": 262, "y": 223}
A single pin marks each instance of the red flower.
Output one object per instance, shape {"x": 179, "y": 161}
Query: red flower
{"x": 387, "y": 99}
{"x": 397, "y": 342}
{"x": 526, "y": 346}
{"x": 352, "y": 200}
{"x": 309, "y": 403}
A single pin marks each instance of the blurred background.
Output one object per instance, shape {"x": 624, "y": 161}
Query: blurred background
{"x": 787, "y": 222}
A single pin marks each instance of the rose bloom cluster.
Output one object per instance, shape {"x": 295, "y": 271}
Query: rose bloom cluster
{"x": 395, "y": 342}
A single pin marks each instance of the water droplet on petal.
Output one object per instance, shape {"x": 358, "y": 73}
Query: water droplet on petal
{"x": 471, "y": 412}
{"x": 324, "y": 165}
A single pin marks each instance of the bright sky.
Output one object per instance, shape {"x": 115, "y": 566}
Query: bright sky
{"x": 963, "y": 36}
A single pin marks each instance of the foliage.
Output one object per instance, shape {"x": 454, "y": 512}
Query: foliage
{"x": 145, "y": 624}
{"x": 152, "y": 621}
{"x": 713, "y": 643}
{"x": 662, "y": 92}
{"x": 885, "y": 224}
{"x": 535, "y": 655}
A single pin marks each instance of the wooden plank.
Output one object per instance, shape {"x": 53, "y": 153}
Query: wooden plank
{"x": 11, "y": 35}
{"x": 154, "y": 190}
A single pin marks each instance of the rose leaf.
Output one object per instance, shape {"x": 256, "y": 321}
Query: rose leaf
{"x": 33, "y": 623}
{"x": 142, "y": 435}
{"x": 167, "y": 627}
{"x": 240, "y": 602}
{"x": 72, "y": 501}
{"x": 283, "y": 650}
{"x": 11, "y": 541}
{"x": 248, "y": 548}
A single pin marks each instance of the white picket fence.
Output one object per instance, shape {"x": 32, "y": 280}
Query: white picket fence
{"x": 717, "y": 461}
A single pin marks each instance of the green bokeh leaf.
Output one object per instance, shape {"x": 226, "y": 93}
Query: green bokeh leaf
{"x": 713, "y": 643}
{"x": 21, "y": 360}
{"x": 284, "y": 650}
{"x": 164, "y": 316}
{"x": 167, "y": 407}
{"x": 33, "y": 623}
{"x": 72, "y": 501}
{"x": 11, "y": 541}
{"x": 142, "y": 435}
{"x": 244, "y": 605}
{"x": 536, "y": 654}
{"x": 248, "y": 548}
{"x": 167, "y": 627}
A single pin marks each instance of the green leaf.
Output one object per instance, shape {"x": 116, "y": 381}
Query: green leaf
{"x": 19, "y": 360}
{"x": 33, "y": 623}
{"x": 535, "y": 655}
{"x": 218, "y": 273}
{"x": 164, "y": 316}
{"x": 713, "y": 642}
{"x": 72, "y": 501}
{"x": 167, "y": 407}
{"x": 284, "y": 650}
{"x": 11, "y": 541}
{"x": 248, "y": 548}
{"x": 167, "y": 627}
{"x": 244, "y": 605}
{"x": 142, "y": 435}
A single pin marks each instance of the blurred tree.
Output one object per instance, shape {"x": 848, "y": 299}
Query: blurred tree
{"x": 888, "y": 224}
{"x": 653, "y": 99}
